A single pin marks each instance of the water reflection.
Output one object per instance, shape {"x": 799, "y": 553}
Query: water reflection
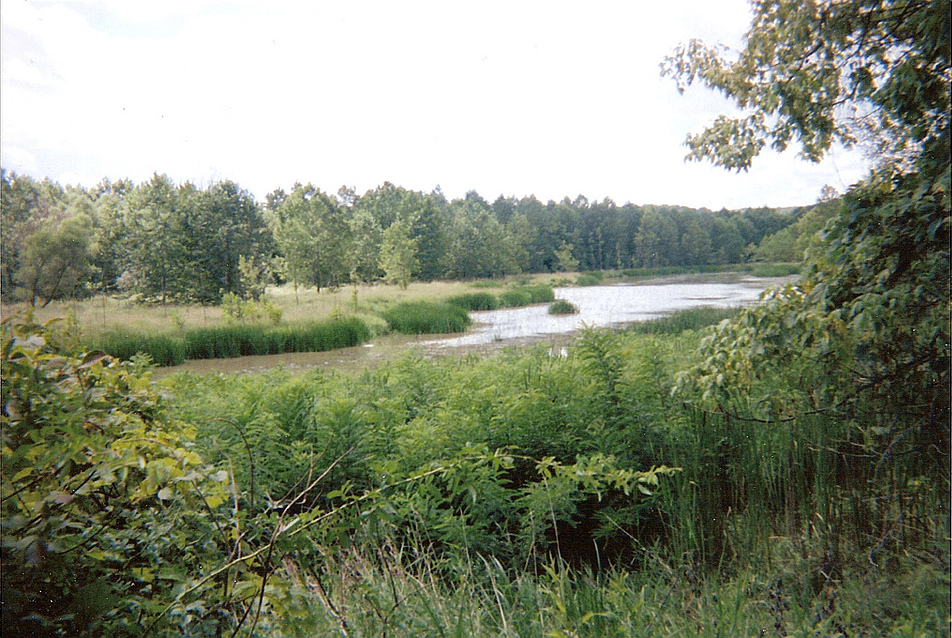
{"x": 603, "y": 306}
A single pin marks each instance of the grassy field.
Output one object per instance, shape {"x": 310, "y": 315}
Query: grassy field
{"x": 108, "y": 314}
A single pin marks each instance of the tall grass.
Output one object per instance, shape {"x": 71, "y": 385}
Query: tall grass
{"x": 526, "y": 294}
{"x": 769, "y": 528}
{"x": 678, "y": 322}
{"x": 424, "y": 317}
{"x": 475, "y": 301}
{"x": 163, "y": 350}
{"x": 756, "y": 269}
{"x": 235, "y": 340}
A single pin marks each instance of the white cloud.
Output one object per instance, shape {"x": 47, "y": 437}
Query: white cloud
{"x": 517, "y": 98}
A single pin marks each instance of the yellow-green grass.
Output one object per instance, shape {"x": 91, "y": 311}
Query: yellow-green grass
{"x": 98, "y": 315}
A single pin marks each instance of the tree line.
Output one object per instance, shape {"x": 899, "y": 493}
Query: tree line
{"x": 165, "y": 242}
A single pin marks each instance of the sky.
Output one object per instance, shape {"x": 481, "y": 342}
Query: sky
{"x": 512, "y": 98}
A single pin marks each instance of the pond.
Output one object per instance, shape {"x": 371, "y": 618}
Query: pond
{"x": 604, "y": 306}
{"x": 600, "y": 306}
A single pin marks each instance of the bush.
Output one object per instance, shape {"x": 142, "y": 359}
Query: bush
{"x": 425, "y": 317}
{"x": 562, "y": 307}
{"x": 475, "y": 301}
{"x": 93, "y": 462}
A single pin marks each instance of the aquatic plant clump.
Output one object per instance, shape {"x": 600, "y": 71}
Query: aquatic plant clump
{"x": 236, "y": 340}
{"x": 425, "y": 317}
{"x": 474, "y": 301}
{"x": 562, "y": 307}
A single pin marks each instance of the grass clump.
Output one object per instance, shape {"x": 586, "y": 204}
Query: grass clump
{"x": 224, "y": 342}
{"x": 475, "y": 301}
{"x": 235, "y": 340}
{"x": 163, "y": 350}
{"x": 592, "y": 278}
{"x": 562, "y": 307}
{"x": 425, "y": 317}
{"x": 515, "y": 299}
{"x": 774, "y": 270}
{"x": 525, "y": 295}
{"x": 539, "y": 293}
{"x": 678, "y": 322}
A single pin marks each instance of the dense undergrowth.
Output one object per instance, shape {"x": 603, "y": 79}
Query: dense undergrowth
{"x": 521, "y": 495}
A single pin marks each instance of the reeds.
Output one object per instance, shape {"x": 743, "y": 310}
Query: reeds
{"x": 562, "y": 307}
{"x": 475, "y": 301}
{"x": 678, "y": 322}
{"x": 236, "y": 340}
{"x": 425, "y": 317}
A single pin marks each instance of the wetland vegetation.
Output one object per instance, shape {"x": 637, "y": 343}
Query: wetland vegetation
{"x": 779, "y": 469}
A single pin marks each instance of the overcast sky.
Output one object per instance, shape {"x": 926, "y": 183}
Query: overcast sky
{"x": 543, "y": 98}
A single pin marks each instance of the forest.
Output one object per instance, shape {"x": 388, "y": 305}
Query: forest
{"x": 164, "y": 242}
{"x": 777, "y": 470}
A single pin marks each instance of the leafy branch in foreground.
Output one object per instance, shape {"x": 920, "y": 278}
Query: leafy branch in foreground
{"x": 803, "y": 65}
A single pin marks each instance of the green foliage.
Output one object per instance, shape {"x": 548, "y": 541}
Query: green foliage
{"x": 562, "y": 307}
{"x": 538, "y": 293}
{"x": 398, "y": 253}
{"x": 235, "y": 340}
{"x": 593, "y": 278}
{"x": 423, "y": 317}
{"x": 55, "y": 261}
{"x": 242, "y": 340}
{"x": 800, "y": 64}
{"x": 678, "y": 322}
{"x": 515, "y": 298}
{"x": 250, "y": 310}
{"x": 104, "y": 499}
{"x": 475, "y": 301}
{"x": 563, "y": 255}
{"x": 162, "y": 350}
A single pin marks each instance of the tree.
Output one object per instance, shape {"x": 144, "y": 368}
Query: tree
{"x": 656, "y": 242}
{"x": 864, "y": 337}
{"x": 398, "y": 253}
{"x": 55, "y": 261}
{"x": 803, "y": 62}
{"x": 156, "y": 257}
{"x": 563, "y": 256}
{"x": 25, "y": 207}
{"x": 314, "y": 237}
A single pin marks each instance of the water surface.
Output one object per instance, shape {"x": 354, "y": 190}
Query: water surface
{"x": 606, "y": 306}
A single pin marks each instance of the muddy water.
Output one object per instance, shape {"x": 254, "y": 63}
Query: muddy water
{"x": 599, "y": 306}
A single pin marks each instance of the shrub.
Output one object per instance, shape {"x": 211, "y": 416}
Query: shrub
{"x": 562, "y": 307}
{"x": 425, "y": 317}
{"x": 475, "y": 301}
{"x": 92, "y": 462}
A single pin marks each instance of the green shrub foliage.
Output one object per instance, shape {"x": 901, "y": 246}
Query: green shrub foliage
{"x": 107, "y": 510}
